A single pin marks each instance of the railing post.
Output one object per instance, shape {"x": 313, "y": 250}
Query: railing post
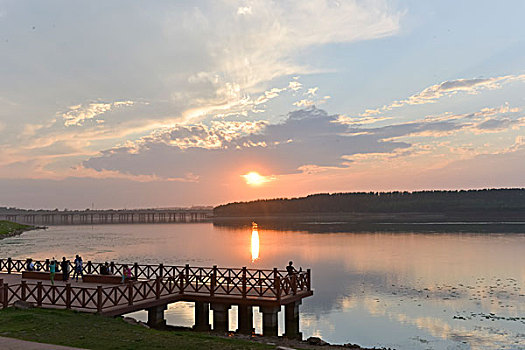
{"x": 181, "y": 282}
{"x": 213, "y": 280}
{"x": 39, "y": 293}
{"x": 112, "y": 267}
{"x": 130, "y": 293}
{"x": 161, "y": 270}
{"x": 99, "y": 299}
{"x": 187, "y": 274}
{"x": 308, "y": 280}
{"x": 136, "y": 268}
{"x": 23, "y": 287}
{"x": 244, "y": 282}
{"x": 157, "y": 288}
{"x": 89, "y": 267}
{"x": 5, "y": 298}
{"x": 46, "y": 265}
{"x": 9, "y": 265}
{"x": 68, "y": 295}
{"x": 278, "y": 287}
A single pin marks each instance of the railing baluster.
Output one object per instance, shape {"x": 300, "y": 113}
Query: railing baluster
{"x": 5, "y": 298}
{"x": 136, "y": 269}
{"x": 181, "y": 282}
{"x": 39, "y": 293}
{"x": 99, "y": 299}
{"x": 244, "y": 282}
{"x": 213, "y": 280}
{"x": 278, "y": 287}
{"x": 130, "y": 293}
{"x": 23, "y": 287}
{"x": 68, "y": 295}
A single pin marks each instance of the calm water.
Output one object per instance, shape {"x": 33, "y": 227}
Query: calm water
{"x": 400, "y": 290}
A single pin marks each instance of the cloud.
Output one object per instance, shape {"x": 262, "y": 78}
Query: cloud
{"x": 78, "y": 114}
{"x": 304, "y": 103}
{"x": 247, "y": 10}
{"x": 312, "y": 91}
{"x": 305, "y": 137}
{"x": 433, "y": 93}
{"x": 260, "y": 42}
{"x": 498, "y": 124}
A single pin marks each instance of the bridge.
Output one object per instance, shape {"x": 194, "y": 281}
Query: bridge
{"x": 93, "y": 217}
{"x": 156, "y": 286}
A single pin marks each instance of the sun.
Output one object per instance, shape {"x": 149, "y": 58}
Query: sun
{"x": 255, "y": 179}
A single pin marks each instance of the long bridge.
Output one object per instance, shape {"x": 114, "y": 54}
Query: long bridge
{"x": 93, "y": 217}
{"x": 156, "y": 286}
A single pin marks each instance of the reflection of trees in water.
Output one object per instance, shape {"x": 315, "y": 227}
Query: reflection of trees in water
{"x": 340, "y": 224}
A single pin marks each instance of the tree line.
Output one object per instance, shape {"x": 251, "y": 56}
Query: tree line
{"x": 494, "y": 200}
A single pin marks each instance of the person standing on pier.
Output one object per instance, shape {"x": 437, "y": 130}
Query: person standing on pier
{"x": 64, "y": 266}
{"x": 75, "y": 264}
{"x": 126, "y": 273}
{"x": 78, "y": 268}
{"x": 290, "y": 269}
{"x": 52, "y": 270}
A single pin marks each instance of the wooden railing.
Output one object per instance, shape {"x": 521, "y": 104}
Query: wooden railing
{"x": 154, "y": 281}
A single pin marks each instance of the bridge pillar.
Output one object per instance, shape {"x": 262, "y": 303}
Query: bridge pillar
{"x": 291, "y": 320}
{"x": 202, "y": 316}
{"x": 245, "y": 319}
{"x": 156, "y": 316}
{"x": 270, "y": 321}
{"x": 220, "y": 317}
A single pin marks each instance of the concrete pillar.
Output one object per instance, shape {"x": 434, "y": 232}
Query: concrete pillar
{"x": 245, "y": 319}
{"x": 202, "y": 317}
{"x": 220, "y": 317}
{"x": 156, "y": 316}
{"x": 270, "y": 322}
{"x": 291, "y": 320}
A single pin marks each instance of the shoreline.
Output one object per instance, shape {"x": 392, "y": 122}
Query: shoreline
{"x": 99, "y": 333}
{"x": 11, "y": 229}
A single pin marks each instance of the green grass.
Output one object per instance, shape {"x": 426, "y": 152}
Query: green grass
{"x": 7, "y": 227}
{"x": 89, "y": 331}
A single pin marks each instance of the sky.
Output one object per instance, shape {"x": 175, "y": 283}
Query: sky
{"x": 131, "y": 104}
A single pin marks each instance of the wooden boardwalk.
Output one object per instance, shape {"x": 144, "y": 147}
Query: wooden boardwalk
{"x": 159, "y": 285}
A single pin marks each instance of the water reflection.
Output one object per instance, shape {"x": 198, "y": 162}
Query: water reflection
{"x": 400, "y": 290}
{"x": 255, "y": 242}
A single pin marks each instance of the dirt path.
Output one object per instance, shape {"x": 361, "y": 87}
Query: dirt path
{"x": 17, "y": 344}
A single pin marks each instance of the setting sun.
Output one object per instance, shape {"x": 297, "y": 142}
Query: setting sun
{"x": 254, "y": 178}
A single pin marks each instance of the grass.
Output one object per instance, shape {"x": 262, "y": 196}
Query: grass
{"x": 90, "y": 331}
{"x": 8, "y": 227}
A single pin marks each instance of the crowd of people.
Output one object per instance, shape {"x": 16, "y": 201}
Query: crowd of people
{"x": 77, "y": 268}
{"x": 105, "y": 269}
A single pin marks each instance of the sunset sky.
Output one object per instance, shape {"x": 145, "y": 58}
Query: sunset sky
{"x": 130, "y": 104}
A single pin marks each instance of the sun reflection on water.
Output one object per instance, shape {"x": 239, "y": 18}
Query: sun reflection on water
{"x": 255, "y": 242}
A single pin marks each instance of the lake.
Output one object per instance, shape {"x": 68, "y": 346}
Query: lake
{"x": 404, "y": 290}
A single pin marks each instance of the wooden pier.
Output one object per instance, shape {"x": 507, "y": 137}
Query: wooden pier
{"x": 156, "y": 286}
{"x": 94, "y": 217}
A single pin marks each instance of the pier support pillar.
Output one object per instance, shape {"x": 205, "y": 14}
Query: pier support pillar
{"x": 202, "y": 317}
{"x": 156, "y": 316}
{"x": 220, "y": 317}
{"x": 291, "y": 320}
{"x": 270, "y": 322}
{"x": 245, "y": 319}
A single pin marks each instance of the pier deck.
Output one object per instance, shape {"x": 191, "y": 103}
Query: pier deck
{"x": 158, "y": 285}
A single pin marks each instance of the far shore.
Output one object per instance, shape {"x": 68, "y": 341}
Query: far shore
{"x": 379, "y": 222}
{"x": 10, "y": 229}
